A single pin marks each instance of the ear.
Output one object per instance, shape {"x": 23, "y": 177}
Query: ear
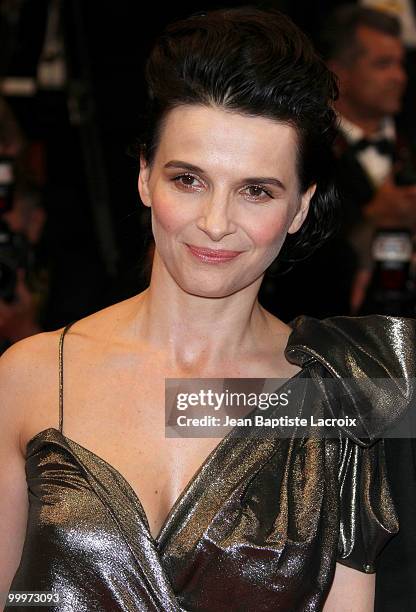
{"x": 143, "y": 182}
{"x": 300, "y": 216}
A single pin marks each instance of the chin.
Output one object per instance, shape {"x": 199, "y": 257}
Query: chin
{"x": 391, "y": 108}
{"x": 210, "y": 288}
{"x": 214, "y": 284}
{"x": 208, "y": 292}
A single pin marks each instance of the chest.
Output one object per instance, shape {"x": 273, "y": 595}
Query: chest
{"x": 121, "y": 419}
{"x": 157, "y": 469}
{"x": 117, "y": 410}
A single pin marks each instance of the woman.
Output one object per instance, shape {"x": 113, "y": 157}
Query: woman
{"x": 235, "y": 164}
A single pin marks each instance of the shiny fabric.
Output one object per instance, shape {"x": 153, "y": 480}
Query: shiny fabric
{"x": 261, "y": 524}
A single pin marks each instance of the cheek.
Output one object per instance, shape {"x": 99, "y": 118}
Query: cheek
{"x": 270, "y": 232}
{"x": 169, "y": 215}
{"x": 370, "y": 83}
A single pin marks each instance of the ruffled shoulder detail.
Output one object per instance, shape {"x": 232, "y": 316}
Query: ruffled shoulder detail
{"x": 373, "y": 358}
{"x": 361, "y": 354}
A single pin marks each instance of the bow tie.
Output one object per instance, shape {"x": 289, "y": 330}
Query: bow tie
{"x": 383, "y": 145}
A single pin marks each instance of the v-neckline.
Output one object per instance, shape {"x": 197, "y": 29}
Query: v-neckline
{"x": 181, "y": 499}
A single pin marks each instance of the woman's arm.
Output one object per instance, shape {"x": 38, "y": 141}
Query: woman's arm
{"x": 351, "y": 591}
{"x": 28, "y": 396}
{"x": 20, "y": 368}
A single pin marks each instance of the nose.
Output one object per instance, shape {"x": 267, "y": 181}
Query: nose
{"x": 215, "y": 219}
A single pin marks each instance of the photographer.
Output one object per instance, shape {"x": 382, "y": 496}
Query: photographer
{"x": 22, "y": 282}
{"x": 22, "y": 217}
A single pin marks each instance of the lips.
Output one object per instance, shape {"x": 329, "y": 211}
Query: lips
{"x": 212, "y": 255}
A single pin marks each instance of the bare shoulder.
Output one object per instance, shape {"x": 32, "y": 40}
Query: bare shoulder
{"x": 108, "y": 322}
{"x": 26, "y": 363}
{"x": 26, "y": 360}
{"x": 26, "y": 372}
{"x": 29, "y": 389}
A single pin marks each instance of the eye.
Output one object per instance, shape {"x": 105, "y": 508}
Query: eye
{"x": 257, "y": 192}
{"x": 383, "y": 63}
{"x": 187, "y": 182}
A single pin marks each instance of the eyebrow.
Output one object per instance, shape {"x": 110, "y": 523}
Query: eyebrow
{"x": 264, "y": 180}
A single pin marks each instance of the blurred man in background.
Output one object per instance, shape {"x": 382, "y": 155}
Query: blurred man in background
{"x": 375, "y": 169}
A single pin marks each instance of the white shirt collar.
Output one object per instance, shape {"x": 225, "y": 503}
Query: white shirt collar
{"x": 353, "y": 132}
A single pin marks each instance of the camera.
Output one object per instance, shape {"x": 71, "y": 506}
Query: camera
{"x": 14, "y": 248}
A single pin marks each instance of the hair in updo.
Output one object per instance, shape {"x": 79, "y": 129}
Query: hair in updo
{"x": 258, "y": 63}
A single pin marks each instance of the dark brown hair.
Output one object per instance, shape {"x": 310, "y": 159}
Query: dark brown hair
{"x": 338, "y": 40}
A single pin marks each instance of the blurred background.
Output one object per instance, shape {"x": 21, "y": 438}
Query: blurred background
{"x": 74, "y": 237}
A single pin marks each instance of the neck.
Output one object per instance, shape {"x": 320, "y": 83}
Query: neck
{"x": 201, "y": 332}
{"x": 369, "y": 123}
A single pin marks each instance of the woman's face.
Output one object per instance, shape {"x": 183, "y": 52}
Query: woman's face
{"x": 224, "y": 192}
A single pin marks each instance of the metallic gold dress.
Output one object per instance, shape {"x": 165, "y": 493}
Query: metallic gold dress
{"x": 261, "y": 524}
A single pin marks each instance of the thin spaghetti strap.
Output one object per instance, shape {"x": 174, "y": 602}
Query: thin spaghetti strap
{"x": 61, "y": 375}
